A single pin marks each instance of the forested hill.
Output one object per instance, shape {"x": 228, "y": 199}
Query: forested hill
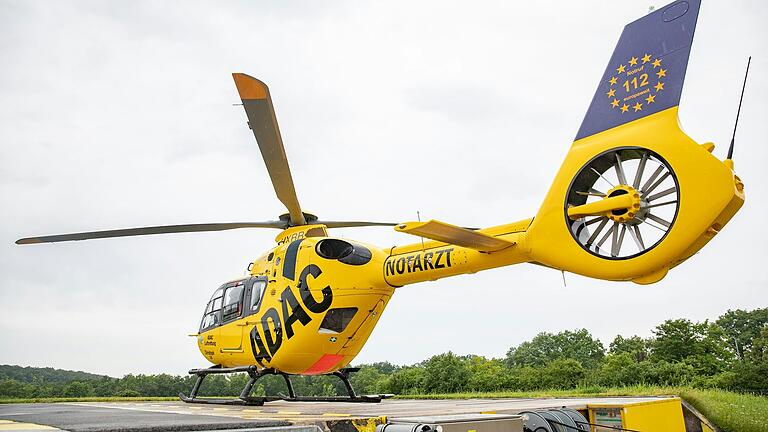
{"x": 728, "y": 353}
{"x": 44, "y": 375}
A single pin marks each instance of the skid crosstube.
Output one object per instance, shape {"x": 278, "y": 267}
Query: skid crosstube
{"x": 245, "y": 397}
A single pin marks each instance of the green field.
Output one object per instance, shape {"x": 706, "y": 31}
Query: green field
{"x": 731, "y": 412}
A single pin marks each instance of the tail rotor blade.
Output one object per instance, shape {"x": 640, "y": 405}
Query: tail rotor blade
{"x": 263, "y": 122}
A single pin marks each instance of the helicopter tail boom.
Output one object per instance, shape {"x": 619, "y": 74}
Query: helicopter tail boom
{"x": 453, "y": 251}
{"x": 634, "y": 197}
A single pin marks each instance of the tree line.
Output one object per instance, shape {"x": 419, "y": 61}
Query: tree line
{"x": 729, "y": 353}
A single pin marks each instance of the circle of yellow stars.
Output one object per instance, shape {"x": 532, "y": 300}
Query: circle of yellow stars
{"x": 659, "y": 86}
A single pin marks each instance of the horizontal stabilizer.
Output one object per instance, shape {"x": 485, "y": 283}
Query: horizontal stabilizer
{"x": 455, "y": 235}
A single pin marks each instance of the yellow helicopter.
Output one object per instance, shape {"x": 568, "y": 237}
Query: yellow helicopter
{"x": 634, "y": 197}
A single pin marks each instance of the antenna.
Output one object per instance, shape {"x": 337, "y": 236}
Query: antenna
{"x": 730, "y": 149}
{"x": 418, "y": 216}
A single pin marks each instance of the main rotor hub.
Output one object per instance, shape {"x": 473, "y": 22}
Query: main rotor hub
{"x": 624, "y": 215}
{"x": 308, "y": 217}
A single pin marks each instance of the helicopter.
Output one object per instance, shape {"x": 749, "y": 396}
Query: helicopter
{"x": 634, "y": 197}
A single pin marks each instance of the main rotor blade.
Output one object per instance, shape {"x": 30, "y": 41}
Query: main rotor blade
{"x": 163, "y": 229}
{"x": 350, "y": 224}
{"x": 263, "y": 122}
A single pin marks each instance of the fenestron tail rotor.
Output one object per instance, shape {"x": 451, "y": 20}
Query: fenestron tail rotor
{"x": 622, "y": 203}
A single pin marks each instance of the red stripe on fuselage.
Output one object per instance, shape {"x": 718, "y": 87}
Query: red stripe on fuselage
{"x": 325, "y": 364}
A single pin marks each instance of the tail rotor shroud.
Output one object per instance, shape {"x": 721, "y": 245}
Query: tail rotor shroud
{"x": 624, "y": 232}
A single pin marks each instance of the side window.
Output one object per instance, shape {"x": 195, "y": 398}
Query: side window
{"x": 336, "y": 320}
{"x": 256, "y": 291}
{"x": 233, "y": 302}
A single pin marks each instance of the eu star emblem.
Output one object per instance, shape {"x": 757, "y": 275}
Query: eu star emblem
{"x": 631, "y": 87}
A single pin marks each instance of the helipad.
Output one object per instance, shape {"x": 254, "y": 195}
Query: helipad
{"x": 335, "y": 417}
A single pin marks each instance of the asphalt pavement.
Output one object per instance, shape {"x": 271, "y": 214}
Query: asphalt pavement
{"x": 327, "y": 416}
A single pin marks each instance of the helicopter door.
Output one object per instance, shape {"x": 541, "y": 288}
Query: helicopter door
{"x": 231, "y": 336}
{"x": 249, "y": 303}
{"x": 360, "y": 335}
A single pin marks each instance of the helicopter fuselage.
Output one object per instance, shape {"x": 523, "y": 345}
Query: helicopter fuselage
{"x": 311, "y": 303}
{"x": 302, "y": 311}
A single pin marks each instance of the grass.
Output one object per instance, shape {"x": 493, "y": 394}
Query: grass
{"x": 731, "y": 412}
{"x": 577, "y": 392}
{"x": 88, "y": 399}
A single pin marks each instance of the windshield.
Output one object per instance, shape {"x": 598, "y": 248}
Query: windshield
{"x": 232, "y": 301}
{"x": 211, "y": 317}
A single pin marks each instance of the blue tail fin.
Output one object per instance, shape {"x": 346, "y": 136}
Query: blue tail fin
{"x": 647, "y": 68}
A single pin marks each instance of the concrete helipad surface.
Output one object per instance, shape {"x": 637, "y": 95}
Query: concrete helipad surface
{"x": 335, "y": 416}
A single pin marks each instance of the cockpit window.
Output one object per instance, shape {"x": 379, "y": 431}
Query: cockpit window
{"x": 233, "y": 302}
{"x": 211, "y": 317}
{"x": 229, "y": 302}
{"x": 215, "y": 304}
{"x": 233, "y": 295}
{"x": 209, "y": 320}
{"x": 256, "y": 291}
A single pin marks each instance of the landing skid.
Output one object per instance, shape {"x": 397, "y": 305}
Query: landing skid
{"x": 245, "y": 397}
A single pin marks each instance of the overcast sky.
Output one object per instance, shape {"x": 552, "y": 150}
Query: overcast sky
{"x": 119, "y": 114}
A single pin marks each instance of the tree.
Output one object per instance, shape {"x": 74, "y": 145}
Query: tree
{"x": 742, "y": 328}
{"x": 635, "y": 346}
{"x": 745, "y": 376}
{"x": 547, "y": 347}
{"x": 676, "y": 340}
{"x": 78, "y": 389}
{"x": 617, "y": 370}
{"x": 486, "y": 375}
{"x": 407, "y": 380}
{"x": 445, "y": 373}
{"x": 759, "y": 351}
{"x": 665, "y": 373}
{"x": 702, "y": 345}
{"x": 524, "y": 378}
{"x": 367, "y": 380}
{"x": 562, "y": 374}
{"x": 385, "y": 368}
{"x": 13, "y": 389}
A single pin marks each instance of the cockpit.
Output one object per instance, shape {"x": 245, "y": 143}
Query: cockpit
{"x": 233, "y": 300}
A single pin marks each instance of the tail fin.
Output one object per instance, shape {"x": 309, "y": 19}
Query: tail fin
{"x": 647, "y": 68}
{"x": 635, "y": 195}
